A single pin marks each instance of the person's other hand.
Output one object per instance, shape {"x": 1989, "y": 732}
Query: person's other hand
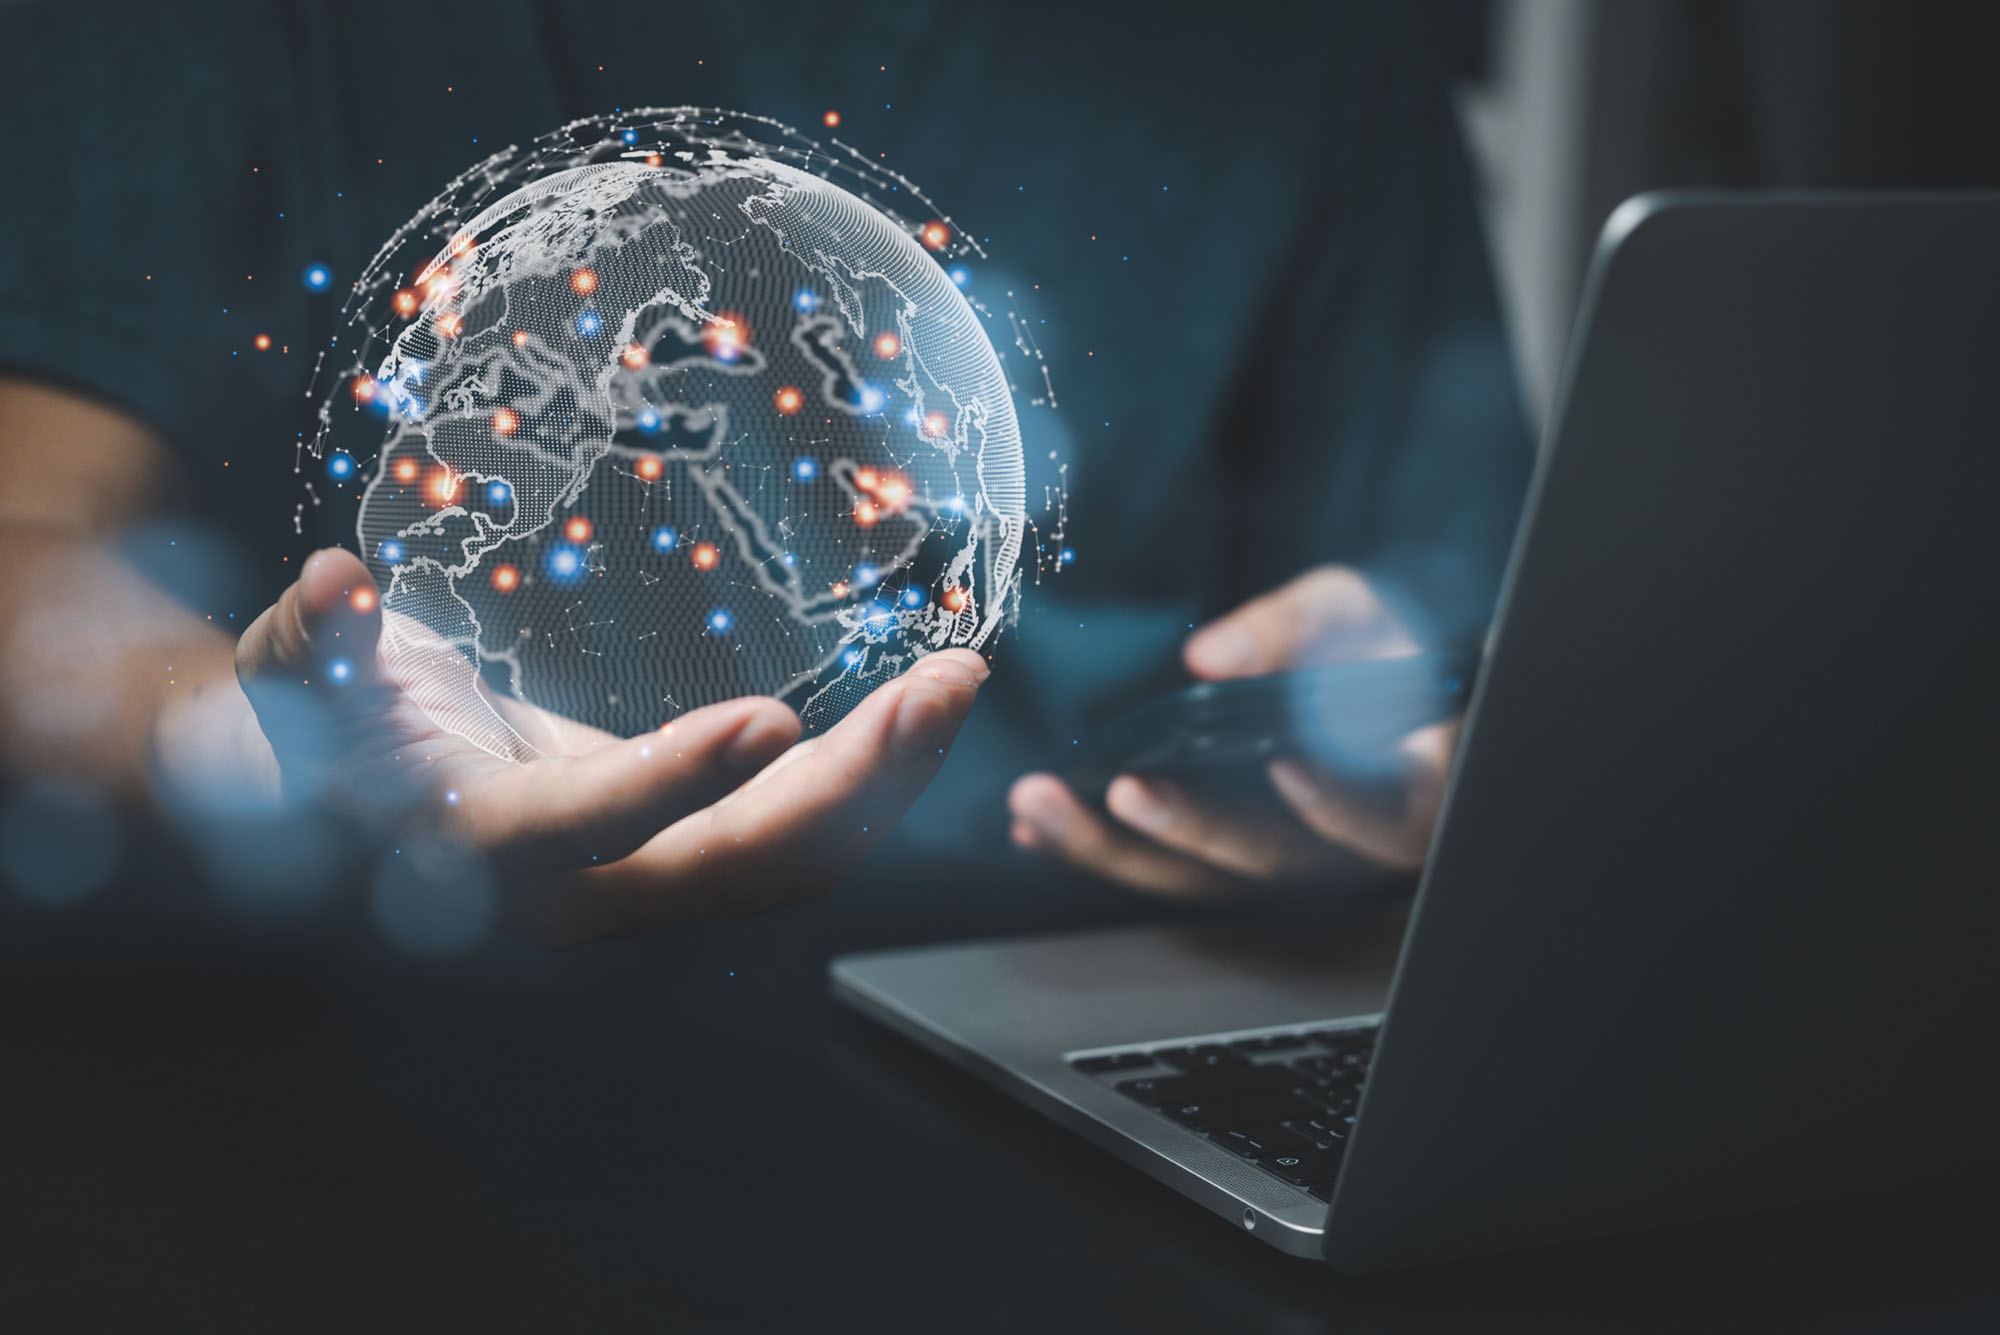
{"x": 1160, "y": 837}
{"x": 718, "y": 813}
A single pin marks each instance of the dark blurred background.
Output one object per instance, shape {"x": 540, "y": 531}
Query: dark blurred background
{"x": 1571, "y": 106}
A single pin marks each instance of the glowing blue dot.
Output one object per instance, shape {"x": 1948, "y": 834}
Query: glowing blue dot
{"x": 665, "y": 539}
{"x": 956, "y": 505}
{"x": 720, "y": 620}
{"x": 318, "y": 277}
{"x": 805, "y": 468}
{"x": 451, "y": 797}
{"x": 805, "y": 299}
{"x": 340, "y": 466}
{"x": 340, "y": 669}
{"x": 961, "y": 276}
{"x": 565, "y": 561}
{"x": 498, "y": 493}
{"x": 589, "y": 324}
{"x": 865, "y": 575}
{"x": 872, "y": 399}
{"x": 631, "y": 136}
{"x": 913, "y": 597}
{"x": 1068, "y": 555}
{"x": 879, "y": 620}
{"x": 649, "y": 421}
{"x": 789, "y": 559}
{"x": 391, "y": 551}
{"x": 913, "y": 417}
{"x": 853, "y": 658}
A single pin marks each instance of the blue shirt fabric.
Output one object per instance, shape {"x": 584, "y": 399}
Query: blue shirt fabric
{"x": 1244, "y": 237}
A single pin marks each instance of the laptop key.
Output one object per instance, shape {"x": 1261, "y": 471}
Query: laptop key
{"x": 1112, "y": 1061}
{"x": 1259, "y": 1109}
{"x": 1271, "y": 1043}
{"x": 1302, "y": 1166}
{"x": 1201, "y": 1057}
{"x": 1251, "y": 1144}
{"x": 1324, "y": 1132}
{"x": 1164, "y": 1089}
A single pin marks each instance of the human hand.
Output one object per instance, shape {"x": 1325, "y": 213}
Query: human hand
{"x": 1161, "y": 837}
{"x": 717, "y": 813}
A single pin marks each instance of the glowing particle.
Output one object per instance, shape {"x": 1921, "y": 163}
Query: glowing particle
{"x": 649, "y": 467}
{"x": 520, "y": 338}
{"x": 912, "y": 597}
{"x": 506, "y": 578}
{"x": 564, "y": 561}
{"x": 866, "y": 575}
{"x": 706, "y": 556}
{"x": 805, "y": 468}
{"x": 263, "y": 342}
{"x": 391, "y": 551}
{"x": 649, "y": 421}
{"x": 665, "y": 539}
{"x": 1068, "y": 555}
{"x": 462, "y": 244}
{"x": 788, "y": 400}
{"x": 654, "y": 159}
{"x": 451, "y": 797}
{"x": 450, "y": 324}
{"x": 867, "y": 479}
{"x": 506, "y": 422}
{"x": 830, "y": 119}
{"x": 317, "y": 277}
{"x": 954, "y": 599}
{"x": 867, "y": 514}
{"x": 887, "y": 345}
{"x": 727, "y": 338}
{"x": 720, "y": 620}
{"x": 405, "y": 301}
{"x": 894, "y": 493}
{"x": 872, "y": 399}
{"x": 936, "y": 425}
{"x": 853, "y": 658}
{"x": 583, "y": 281}
{"x": 340, "y": 465}
{"x": 362, "y": 599}
{"x": 589, "y": 323}
{"x": 960, "y": 275}
{"x": 363, "y": 388}
{"x": 499, "y": 493}
{"x": 578, "y": 528}
{"x": 405, "y": 470}
{"x": 340, "y": 670}
{"x": 439, "y": 286}
{"x": 879, "y": 620}
{"x": 805, "y": 300}
{"x": 630, "y": 136}
{"x": 442, "y": 489}
{"x": 634, "y": 356}
{"x": 840, "y": 588}
{"x": 936, "y": 235}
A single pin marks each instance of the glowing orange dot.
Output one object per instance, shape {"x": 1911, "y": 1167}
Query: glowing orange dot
{"x": 506, "y": 422}
{"x": 443, "y": 486}
{"x": 705, "y": 556}
{"x": 578, "y": 529}
{"x": 953, "y": 600}
{"x": 634, "y": 356}
{"x": 936, "y": 235}
{"x": 728, "y": 337}
{"x": 887, "y": 345}
{"x": 894, "y": 492}
{"x": 462, "y": 243}
{"x": 364, "y": 389}
{"x": 831, "y": 119}
{"x": 520, "y": 338}
{"x": 405, "y": 302}
{"x": 650, "y": 467}
{"x": 263, "y": 342}
{"x": 867, "y": 479}
{"x": 653, "y": 159}
{"x": 840, "y": 589}
{"x": 788, "y": 400}
{"x": 506, "y": 578}
{"x": 583, "y": 281}
{"x": 936, "y": 425}
{"x": 866, "y": 514}
{"x": 363, "y": 600}
{"x": 450, "y": 324}
{"x": 406, "y": 470}
{"x": 439, "y": 285}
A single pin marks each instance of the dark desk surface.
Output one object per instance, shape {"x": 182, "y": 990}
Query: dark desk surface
{"x": 294, "y": 1128}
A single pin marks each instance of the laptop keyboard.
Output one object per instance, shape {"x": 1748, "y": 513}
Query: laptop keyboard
{"x": 1284, "y": 1101}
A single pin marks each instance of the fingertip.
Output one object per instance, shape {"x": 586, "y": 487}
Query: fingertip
{"x": 768, "y": 729}
{"x": 949, "y": 664}
{"x": 1220, "y": 650}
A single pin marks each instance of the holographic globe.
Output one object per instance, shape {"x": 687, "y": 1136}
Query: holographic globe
{"x": 656, "y": 413}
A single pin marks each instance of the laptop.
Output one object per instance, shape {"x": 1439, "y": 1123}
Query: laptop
{"x": 1711, "y": 917}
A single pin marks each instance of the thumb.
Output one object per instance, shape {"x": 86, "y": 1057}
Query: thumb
{"x": 321, "y": 634}
{"x": 1327, "y": 614}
